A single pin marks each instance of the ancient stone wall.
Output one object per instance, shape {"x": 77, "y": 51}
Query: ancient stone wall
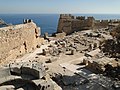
{"x": 65, "y": 23}
{"x": 68, "y": 23}
{"x": 101, "y": 24}
{"x": 18, "y": 39}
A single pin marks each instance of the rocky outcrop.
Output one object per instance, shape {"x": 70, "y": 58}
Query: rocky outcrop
{"x": 18, "y": 39}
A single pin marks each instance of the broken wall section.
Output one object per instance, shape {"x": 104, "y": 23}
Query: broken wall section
{"x": 18, "y": 39}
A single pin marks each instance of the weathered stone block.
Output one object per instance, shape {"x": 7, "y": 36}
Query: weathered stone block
{"x": 4, "y": 72}
{"x": 40, "y": 68}
{"x": 15, "y": 68}
{"x": 33, "y": 68}
{"x": 44, "y": 85}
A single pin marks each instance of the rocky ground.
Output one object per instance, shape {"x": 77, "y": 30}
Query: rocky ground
{"x": 63, "y": 60}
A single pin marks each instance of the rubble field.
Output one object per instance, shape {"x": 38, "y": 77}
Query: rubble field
{"x": 84, "y": 60}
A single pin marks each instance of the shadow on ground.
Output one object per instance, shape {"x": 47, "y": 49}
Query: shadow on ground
{"x": 76, "y": 82}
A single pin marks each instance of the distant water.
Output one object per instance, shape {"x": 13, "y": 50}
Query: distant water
{"x": 48, "y": 22}
{"x": 101, "y": 16}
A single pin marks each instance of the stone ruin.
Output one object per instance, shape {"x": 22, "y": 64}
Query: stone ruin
{"x": 111, "y": 47}
{"x": 17, "y": 40}
{"x": 32, "y": 75}
{"x": 24, "y": 76}
{"x": 78, "y": 42}
{"x": 69, "y": 24}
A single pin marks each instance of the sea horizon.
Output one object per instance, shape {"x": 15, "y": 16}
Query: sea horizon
{"x": 61, "y": 13}
{"x": 49, "y": 22}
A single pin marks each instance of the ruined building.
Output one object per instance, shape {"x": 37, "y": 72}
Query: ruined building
{"x": 68, "y": 23}
{"x": 19, "y": 39}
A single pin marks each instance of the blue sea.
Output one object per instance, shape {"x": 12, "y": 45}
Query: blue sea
{"x": 48, "y": 22}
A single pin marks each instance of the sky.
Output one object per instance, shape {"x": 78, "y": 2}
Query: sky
{"x": 60, "y": 6}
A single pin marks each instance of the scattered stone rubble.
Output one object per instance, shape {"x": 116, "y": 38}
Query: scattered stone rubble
{"x": 77, "y": 42}
{"x": 98, "y": 68}
{"x": 25, "y": 76}
{"x": 91, "y": 43}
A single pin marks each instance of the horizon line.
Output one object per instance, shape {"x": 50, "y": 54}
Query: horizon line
{"x": 61, "y": 13}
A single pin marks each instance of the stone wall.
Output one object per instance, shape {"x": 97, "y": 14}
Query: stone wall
{"x": 101, "y": 24}
{"x": 68, "y": 23}
{"x": 65, "y": 23}
{"x": 18, "y": 39}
